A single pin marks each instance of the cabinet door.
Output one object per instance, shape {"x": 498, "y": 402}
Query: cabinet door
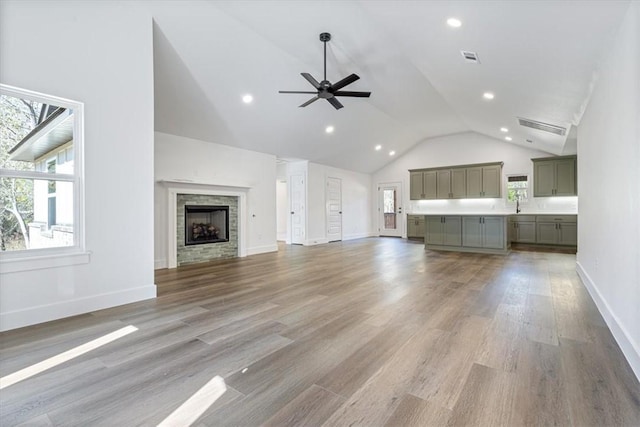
{"x": 547, "y": 232}
{"x": 512, "y": 232}
{"x": 458, "y": 183}
{"x": 474, "y": 182}
{"x": 430, "y": 187}
{"x": 434, "y": 227}
{"x": 420, "y": 230}
{"x": 491, "y": 181}
{"x": 493, "y": 232}
{"x": 565, "y": 177}
{"x": 544, "y": 177}
{"x": 452, "y": 231}
{"x": 444, "y": 184}
{"x": 411, "y": 226}
{"x": 527, "y": 232}
{"x": 472, "y": 231}
{"x": 415, "y": 186}
{"x": 568, "y": 234}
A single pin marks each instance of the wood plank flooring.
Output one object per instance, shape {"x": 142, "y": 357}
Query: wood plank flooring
{"x": 371, "y": 332}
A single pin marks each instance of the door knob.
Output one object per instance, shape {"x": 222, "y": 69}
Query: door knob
{"x": 292, "y": 212}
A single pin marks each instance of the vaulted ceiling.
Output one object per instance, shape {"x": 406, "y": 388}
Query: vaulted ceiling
{"x": 539, "y": 59}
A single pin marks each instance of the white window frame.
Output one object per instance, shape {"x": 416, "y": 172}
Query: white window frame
{"x": 529, "y": 189}
{"x": 33, "y": 259}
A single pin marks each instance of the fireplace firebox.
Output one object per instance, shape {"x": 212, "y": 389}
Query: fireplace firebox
{"x": 206, "y": 224}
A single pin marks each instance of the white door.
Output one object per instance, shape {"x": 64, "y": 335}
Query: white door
{"x": 391, "y": 220}
{"x": 334, "y": 209}
{"x": 297, "y": 209}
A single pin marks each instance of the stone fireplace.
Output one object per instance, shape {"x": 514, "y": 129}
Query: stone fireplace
{"x": 206, "y": 227}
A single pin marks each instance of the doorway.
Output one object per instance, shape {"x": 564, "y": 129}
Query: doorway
{"x": 390, "y": 218}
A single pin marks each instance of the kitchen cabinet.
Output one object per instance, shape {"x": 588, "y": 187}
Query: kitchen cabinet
{"x": 557, "y": 230}
{"x": 456, "y": 182}
{"x": 483, "y": 232}
{"x": 484, "y": 181}
{"x": 522, "y": 228}
{"x": 554, "y": 176}
{"x": 423, "y": 185}
{"x": 415, "y": 226}
{"x": 443, "y": 230}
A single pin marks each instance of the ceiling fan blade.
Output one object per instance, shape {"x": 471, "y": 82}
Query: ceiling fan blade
{"x": 355, "y": 94}
{"x": 342, "y": 83}
{"x": 335, "y": 103}
{"x": 309, "y": 101}
{"x": 296, "y": 91}
{"x": 311, "y": 80}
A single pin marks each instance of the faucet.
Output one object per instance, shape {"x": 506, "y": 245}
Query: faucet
{"x": 517, "y": 204}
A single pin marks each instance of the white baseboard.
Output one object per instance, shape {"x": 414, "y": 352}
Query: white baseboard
{"x": 359, "y": 235}
{"x": 262, "y": 249}
{"x": 59, "y": 310}
{"x": 317, "y": 241}
{"x": 281, "y": 236}
{"x": 630, "y": 348}
{"x": 160, "y": 263}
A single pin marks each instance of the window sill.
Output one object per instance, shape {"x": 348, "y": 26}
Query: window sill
{"x": 39, "y": 262}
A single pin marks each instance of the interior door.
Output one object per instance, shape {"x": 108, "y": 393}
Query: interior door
{"x": 297, "y": 209}
{"x": 391, "y": 220}
{"x": 334, "y": 209}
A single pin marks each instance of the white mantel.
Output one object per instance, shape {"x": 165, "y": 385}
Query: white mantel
{"x": 180, "y": 186}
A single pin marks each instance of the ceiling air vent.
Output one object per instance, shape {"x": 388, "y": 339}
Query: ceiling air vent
{"x": 471, "y": 57}
{"x": 546, "y": 127}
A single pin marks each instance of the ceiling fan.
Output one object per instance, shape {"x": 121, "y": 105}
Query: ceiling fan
{"x": 325, "y": 89}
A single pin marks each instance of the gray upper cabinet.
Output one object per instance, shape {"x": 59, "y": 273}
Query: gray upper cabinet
{"x": 484, "y": 181}
{"x": 458, "y": 182}
{"x": 554, "y": 176}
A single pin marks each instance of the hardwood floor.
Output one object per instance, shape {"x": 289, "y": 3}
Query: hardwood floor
{"x": 366, "y": 332}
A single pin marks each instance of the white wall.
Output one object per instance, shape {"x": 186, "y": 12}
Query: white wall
{"x": 194, "y": 161}
{"x": 609, "y": 190}
{"x": 469, "y": 148}
{"x": 98, "y": 53}
{"x": 356, "y": 202}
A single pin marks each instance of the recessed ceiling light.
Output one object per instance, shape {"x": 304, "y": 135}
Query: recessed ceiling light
{"x": 392, "y": 153}
{"x": 508, "y": 138}
{"x": 378, "y": 147}
{"x": 487, "y": 95}
{"x": 454, "y": 22}
{"x": 247, "y": 99}
{"x": 504, "y": 130}
{"x": 329, "y": 129}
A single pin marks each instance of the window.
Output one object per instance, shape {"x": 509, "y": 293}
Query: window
{"x": 40, "y": 174}
{"x": 517, "y": 188}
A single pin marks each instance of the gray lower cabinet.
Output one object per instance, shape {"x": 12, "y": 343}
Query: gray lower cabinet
{"x": 522, "y": 229}
{"x": 560, "y": 230}
{"x": 415, "y": 227}
{"x": 483, "y": 232}
{"x": 443, "y": 231}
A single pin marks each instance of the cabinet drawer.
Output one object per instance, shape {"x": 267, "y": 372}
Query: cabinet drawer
{"x": 522, "y": 218}
{"x": 556, "y": 218}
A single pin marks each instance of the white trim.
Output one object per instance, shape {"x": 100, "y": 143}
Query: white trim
{"x": 181, "y": 187}
{"x": 313, "y": 242}
{"x": 262, "y": 249}
{"x": 160, "y": 264}
{"x": 630, "y": 348}
{"x": 51, "y": 260}
{"x": 35, "y": 175}
{"x": 44, "y": 313}
{"x": 359, "y": 235}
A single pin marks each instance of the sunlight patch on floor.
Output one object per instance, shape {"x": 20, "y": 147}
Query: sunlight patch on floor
{"x": 192, "y": 408}
{"x": 56, "y": 360}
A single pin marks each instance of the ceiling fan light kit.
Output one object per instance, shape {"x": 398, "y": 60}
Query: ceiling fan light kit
{"x": 326, "y": 90}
